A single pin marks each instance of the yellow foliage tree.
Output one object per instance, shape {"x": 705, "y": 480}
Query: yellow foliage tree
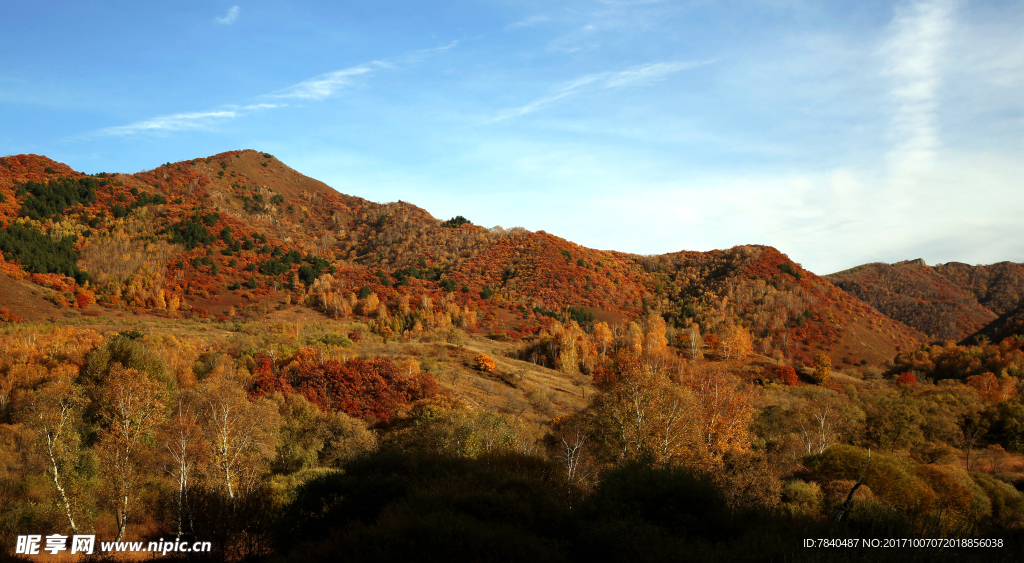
{"x": 52, "y": 411}
{"x": 484, "y": 363}
{"x": 822, "y": 367}
{"x": 655, "y": 342}
{"x": 602, "y": 336}
{"x": 635, "y": 338}
{"x": 648, "y": 416}
{"x": 370, "y": 304}
{"x": 725, "y": 407}
{"x": 734, "y": 342}
{"x": 131, "y": 405}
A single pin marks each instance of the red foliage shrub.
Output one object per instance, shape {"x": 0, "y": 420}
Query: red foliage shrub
{"x": 81, "y": 300}
{"x": 56, "y": 282}
{"x": 369, "y": 389}
{"x": 906, "y": 378}
{"x": 784, "y": 374}
{"x": 269, "y": 383}
{"x": 987, "y": 385}
{"x": 8, "y": 317}
{"x": 264, "y": 365}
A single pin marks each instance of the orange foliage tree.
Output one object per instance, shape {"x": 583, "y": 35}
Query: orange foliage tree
{"x": 992, "y": 389}
{"x": 724, "y": 408}
{"x": 484, "y": 363}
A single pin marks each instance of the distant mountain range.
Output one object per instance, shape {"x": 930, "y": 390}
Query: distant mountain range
{"x": 240, "y": 230}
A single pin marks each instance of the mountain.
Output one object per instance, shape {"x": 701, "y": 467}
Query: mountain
{"x": 952, "y": 301}
{"x": 788, "y": 310}
{"x": 240, "y": 232}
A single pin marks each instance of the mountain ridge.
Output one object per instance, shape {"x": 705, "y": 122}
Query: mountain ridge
{"x": 240, "y": 228}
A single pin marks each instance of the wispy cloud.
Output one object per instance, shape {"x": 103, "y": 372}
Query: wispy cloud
{"x": 185, "y": 121}
{"x": 176, "y": 122}
{"x": 527, "y": 22}
{"x": 230, "y": 17}
{"x": 913, "y": 58}
{"x": 314, "y": 89}
{"x": 605, "y": 80}
{"x": 325, "y": 85}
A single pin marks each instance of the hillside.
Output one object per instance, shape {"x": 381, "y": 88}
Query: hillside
{"x": 789, "y": 311}
{"x": 952, "y": 301}
{"x": 238, "y": 232}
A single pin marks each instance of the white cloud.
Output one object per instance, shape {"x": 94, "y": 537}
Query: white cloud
{"x": 527, "y": 22}
{"x": 914, "y": 59}
{"x": 325, "y": 85}
{"x": 605, "y": 80}
{"x": 186, "y": 121}
{"x": 176, "y": 122}
{"x": 230, "y": 17}
{"x": 313, "y": 89}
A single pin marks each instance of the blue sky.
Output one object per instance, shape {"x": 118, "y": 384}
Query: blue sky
{"x": 839, "y": 132}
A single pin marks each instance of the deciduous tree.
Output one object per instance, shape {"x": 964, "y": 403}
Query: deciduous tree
{"x": 241, "y": 433}
{"x": 822, "y": 367}
{"x": 725, "y": 406}
{"x": 602, "y": 336}
{"x": 131, "y": 407}
{"x": 184, "y": 452}
{"x": 52, "y": 410}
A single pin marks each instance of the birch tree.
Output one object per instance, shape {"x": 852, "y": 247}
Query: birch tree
{"x": 131, "y": 407}
{"x": 241, "y": 433}
{"x": 52, "y": 411}
{"x": 184, "y": 451}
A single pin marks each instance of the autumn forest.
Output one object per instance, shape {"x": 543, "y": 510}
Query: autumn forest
{"x": 222, "y": 349}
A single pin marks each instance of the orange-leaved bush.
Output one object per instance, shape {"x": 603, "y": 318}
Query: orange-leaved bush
{"x": 484, "y": 363}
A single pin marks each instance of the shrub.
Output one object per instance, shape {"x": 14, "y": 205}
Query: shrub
{"x": 906, "y": 378}
{"x": 8, "y": 317}
{"x": 484, "y": 363}
{"x": 822, "y": 367}
{"x": 784, "y": 374}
